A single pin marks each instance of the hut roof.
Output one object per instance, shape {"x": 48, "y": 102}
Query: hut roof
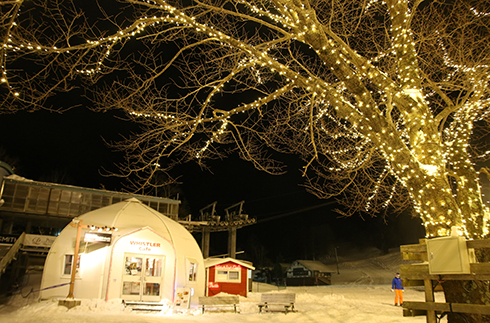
{"x": 314, "y": 265}
{"x": 210, "y": 262}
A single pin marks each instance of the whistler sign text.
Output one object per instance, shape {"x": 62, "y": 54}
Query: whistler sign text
{"x": 144, "y": 245}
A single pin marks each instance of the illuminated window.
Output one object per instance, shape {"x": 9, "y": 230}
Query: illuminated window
{"x": 192, "y": 272}
{"x": 192, "y": 269}
{"x": 67, "y": 265}
{"x": 233, "y": 275}
{"x": 230, "y": 276}
{"x": 134, "y": 266}
{"x": 153, "y": 267}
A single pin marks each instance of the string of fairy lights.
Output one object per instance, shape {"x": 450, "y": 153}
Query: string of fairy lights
{"x": 386, "y": 170}
{"x": 427, "y": 154}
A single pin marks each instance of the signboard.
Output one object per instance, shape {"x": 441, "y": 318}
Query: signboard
{"x": 229, "y": 267}
{"x": 36, "y": 240}
{"x": 97, "y": 237}
{"x": 144, "y": 246}
{"x": 182, "y": 298}
{"x": 8, "y": 238}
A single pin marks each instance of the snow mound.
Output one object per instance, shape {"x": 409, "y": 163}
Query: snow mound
{"x": 359, "y": 294}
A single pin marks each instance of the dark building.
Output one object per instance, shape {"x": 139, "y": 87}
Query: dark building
{"x": 308, "y": 273}
{"x": 46, "y": 208}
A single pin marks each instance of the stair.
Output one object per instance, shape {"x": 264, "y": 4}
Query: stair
{"x": 11, "y": 253}
{"x": 3, "y": 250}
{"x": 145, "y": 306}
{"x": 324, "y": 281}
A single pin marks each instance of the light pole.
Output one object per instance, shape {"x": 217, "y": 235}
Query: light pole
{"x": 77, "y": 223}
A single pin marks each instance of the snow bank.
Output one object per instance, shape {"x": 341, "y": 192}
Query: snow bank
{"x": 359, "y": 294}
{"x": 325, "y": 304}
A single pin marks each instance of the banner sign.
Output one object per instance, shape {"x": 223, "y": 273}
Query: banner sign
{"x": 36, "y": 240}
{"x": 97, "y": 237}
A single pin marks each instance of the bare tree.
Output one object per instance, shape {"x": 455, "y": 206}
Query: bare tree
{"x": 387, "y": 102}
{"x": 380, "y": 99}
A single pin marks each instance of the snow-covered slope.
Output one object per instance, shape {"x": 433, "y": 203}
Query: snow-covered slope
{"x": 360, "y": 293}
{"x": 372, "y": 270}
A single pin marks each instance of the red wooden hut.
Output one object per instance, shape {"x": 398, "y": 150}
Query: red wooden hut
{"x": 227, "y": 275}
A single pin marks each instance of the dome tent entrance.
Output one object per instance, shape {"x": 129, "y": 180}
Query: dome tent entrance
{"x": 146, "y": 261}
{"x": 148, "y": 258}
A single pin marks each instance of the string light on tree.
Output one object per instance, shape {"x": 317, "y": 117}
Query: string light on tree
{"x": 383, "y": 110}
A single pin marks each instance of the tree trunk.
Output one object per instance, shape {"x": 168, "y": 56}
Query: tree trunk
{"x": 467, "y": 292}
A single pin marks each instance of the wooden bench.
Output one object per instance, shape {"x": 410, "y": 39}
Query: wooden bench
{"x": 219, "y": 301}
{"x": 282, "y": 300}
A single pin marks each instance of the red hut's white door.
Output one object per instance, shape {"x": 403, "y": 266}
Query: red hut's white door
{"x": 142, "y": 277}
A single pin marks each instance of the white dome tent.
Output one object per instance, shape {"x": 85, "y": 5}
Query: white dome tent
{"x": 149, "y": 258}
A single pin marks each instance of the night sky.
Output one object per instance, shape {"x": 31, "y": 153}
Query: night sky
{"x": 291, "y": 224}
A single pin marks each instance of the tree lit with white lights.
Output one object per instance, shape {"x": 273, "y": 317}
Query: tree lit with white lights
{"x": 386, "y": 102}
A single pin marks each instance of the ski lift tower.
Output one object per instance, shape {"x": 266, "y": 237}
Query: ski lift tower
{"x": 212, "y": 222}
{"x": 234, "y": 215}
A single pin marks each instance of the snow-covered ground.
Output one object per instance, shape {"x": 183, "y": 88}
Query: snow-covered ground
{"x": 360, "y": 293}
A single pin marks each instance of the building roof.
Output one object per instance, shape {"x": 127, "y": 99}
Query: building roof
{"x": 210, "y": 262}
{"x": 51, "y": 199}
{"x": 30, "y": 182}
{"x": 131, "y": 215}
{"x": 314, "y": 265}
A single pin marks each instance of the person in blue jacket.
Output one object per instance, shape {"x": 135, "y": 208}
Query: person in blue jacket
{"x": 396, "y": 286}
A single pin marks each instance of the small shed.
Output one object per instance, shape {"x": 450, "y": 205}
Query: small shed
{"x": 150, "y": 258}
{"x": 228, "y": 275}
{"x": 308, "y": 273}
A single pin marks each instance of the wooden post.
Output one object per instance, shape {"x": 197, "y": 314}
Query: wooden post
{"x": 205, "y": 242}
{"x": 232, "y": 241}
{"x": 429, "y": 297}
{"x": 28, "y": 228}
{"x": 70, "y": 302}
{"x": 75, "y": 260}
